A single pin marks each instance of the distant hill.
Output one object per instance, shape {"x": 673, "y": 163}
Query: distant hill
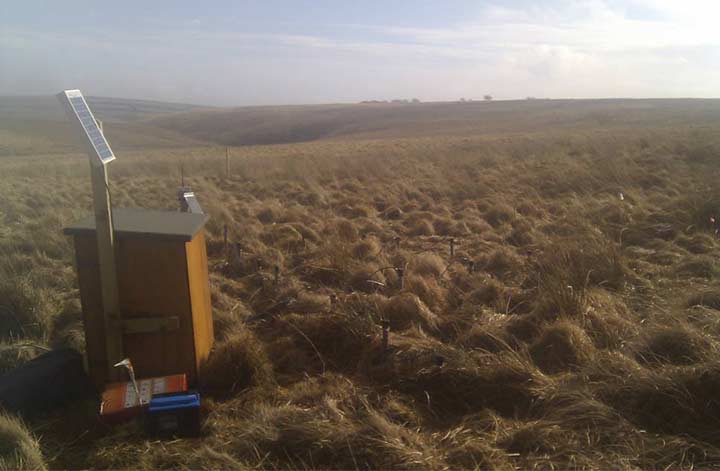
{"x": 38, "y": 125}
{"x": 287, "y": 124}
{"x": 104, "y": 108}
{"x": 31, "y": 125}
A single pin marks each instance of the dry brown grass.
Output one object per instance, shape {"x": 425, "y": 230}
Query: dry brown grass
{"x": 237, "y": 363}
{"x": 678, "y": 345}
{"x": 18, "y": 448}
{"x": 570, "y": 329}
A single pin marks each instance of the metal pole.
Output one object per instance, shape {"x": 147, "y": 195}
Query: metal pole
{"x": 225, "y": 242}
{"x": 385, "y": 336}
{"x": 401, "y": 277}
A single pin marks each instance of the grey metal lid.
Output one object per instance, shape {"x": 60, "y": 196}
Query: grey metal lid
{"x": 146, "y": 223}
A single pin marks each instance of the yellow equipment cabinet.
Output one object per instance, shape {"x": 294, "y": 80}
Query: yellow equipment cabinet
{"x": 164, "y": 292}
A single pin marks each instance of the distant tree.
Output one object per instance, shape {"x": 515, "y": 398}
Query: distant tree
{"x": 530, "y": 98}
{"x": 462, "y": 100}
{"x": 415, "y": 100}
{"x": 487, "y": 97}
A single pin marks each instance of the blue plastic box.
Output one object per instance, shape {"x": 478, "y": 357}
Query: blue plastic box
{"x": 174, "y": 414}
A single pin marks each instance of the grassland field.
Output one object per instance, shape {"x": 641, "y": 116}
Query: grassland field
{"x": 576, "y": 325}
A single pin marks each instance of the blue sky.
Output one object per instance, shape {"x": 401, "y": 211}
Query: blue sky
{"x": 278, "y": 52}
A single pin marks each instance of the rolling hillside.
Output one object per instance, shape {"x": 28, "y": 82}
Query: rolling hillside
{"x": 288, "y": 124}
{"x": 37, "y": 125}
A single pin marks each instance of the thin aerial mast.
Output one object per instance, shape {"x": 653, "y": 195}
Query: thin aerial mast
{"x": 100, "y": 155}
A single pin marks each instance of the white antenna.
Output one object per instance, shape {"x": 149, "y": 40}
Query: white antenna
{"x": 100, "y": 155}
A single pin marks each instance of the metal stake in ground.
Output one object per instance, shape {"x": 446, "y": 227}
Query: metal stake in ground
{"x": 225, "y": 242}
{"x": 401, "y": 277}
{"x": 452, "y": 247}
{"x": 385, "y": 335}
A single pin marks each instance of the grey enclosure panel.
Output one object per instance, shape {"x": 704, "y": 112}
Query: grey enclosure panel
{"x": 140, "y": 222}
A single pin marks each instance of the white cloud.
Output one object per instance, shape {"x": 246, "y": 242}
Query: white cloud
{"x": 586, "y": 48}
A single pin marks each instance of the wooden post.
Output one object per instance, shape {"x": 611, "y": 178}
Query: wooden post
{"x": 77, "y": 109}
{"x": 108, "y": 270}
{"x": 452, "y": 247}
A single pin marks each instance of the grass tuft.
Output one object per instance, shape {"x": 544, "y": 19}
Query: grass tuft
{"x": 18, "y": 448}
{"x": 236, "y": 364}
{"x": 562, "y": 346}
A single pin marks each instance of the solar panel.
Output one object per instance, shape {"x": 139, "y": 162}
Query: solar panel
{"x": 78, "y": 109}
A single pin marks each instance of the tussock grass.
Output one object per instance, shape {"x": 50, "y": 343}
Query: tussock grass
{"x": 566, "y": 271}
{"x": 457, "y": 384}
{"x": 572, "y": 327}
{"x": 499, "y": 214}
{"x": 237, "y": 363}
{"x": 708, "y": 298}
{"x": 490, "y": 333}
{"x": 428, "y": 265}
{"x": 503, "y": 263}
{"x": 698, "y": 266}
{"x": 321, "y": 341}
{"x": 421, "y": 227}
{"x": 429, "y": 291}
{"x": 561, "y": 346}
{"x": 608, "y": 321}
{"x": 18, "y": 448}
{"x": 678, "y": 345}
{"x": 406, "y": 310}
{"x": 22, "y": 307}
{"x": 678, "y": 400}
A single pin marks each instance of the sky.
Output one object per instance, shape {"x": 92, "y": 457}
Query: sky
{"x": 269, "y": 52}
